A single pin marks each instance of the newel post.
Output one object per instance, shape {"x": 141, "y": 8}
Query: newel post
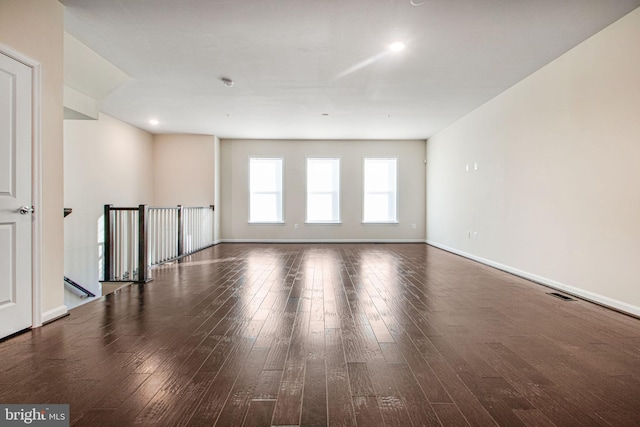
{"x": 106, "y": 256}
{"x": 180, "y": 231}
{"x": 143, "y": 247}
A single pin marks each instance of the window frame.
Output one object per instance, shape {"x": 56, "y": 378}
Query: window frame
{"x": 281, "y": 194}
{"x": 395, "y": 192}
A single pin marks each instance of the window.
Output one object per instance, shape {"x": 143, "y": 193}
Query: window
{"x": 265, "y": 190}
{"x": 323, "y": 190}
{"x": 380, "y": 190}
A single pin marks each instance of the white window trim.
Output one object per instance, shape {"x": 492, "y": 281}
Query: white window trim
{"x": 390, "y": 222}
{"x": 306, "y": 191}
{"x": 282, "y": 192}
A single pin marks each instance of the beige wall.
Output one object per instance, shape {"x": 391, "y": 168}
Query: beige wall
{"x": 234, "y": 190}
{"x": 34, "y": 28}
{"x": 184, "y": 170}
{"x": 106, "y": 162}
{"x": 555, "y": 195}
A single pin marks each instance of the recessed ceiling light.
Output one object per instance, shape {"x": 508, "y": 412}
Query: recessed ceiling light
{"x": 396, "y": 46}
{"x": 227, "y": 82}
{"x": 153, "y": 122}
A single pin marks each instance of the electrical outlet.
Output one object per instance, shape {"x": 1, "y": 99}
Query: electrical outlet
{"x": 413, "y": 226}
{"x": 295, "y": 226}
{"x": 475, "y": 235}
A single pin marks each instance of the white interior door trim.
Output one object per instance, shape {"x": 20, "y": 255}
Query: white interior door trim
{"x": 36, "y": 173}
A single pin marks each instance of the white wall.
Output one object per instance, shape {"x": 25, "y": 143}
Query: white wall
{"x": 106, "y": 162}
{"x": 234, "y": 190}
{"x": 34, "y": 28}
{"x": 556, "y": 193}
{"x": 183, "y": 170}
{"x": 217, "y": 187}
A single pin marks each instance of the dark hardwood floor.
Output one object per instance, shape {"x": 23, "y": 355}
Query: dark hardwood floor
{"x": 341, "y": 335}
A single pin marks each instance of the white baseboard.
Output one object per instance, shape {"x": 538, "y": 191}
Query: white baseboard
{"x": 580, "y": 293}
{"x": 321, "y": 241}
{"x": 54, "y": 313}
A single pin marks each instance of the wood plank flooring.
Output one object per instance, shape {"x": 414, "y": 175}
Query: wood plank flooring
{"x": 340, "y": 335}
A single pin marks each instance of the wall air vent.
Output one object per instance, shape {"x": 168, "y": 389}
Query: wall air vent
{"x": 562, "y": 297}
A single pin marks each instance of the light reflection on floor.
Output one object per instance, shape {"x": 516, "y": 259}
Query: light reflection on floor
{"x": 193, "y": 263}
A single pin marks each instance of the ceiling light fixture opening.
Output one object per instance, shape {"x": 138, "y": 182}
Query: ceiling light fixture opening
{"x": 417, "y": 2}
{"x": 227, "y": 82}
{"x": 396, "y": 46}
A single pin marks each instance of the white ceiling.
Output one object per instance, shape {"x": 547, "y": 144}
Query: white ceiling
{"x": 294, "y": 60}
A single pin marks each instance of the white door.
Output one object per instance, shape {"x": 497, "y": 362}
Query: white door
{"x": 15, "y": 192}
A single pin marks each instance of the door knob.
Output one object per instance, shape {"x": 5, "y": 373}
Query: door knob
{"x": 25, "y": 210}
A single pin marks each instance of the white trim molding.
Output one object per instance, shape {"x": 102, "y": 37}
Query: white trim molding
{"x": 36, "y": 196}
{"x": 321, "y": 241}
{"x": 550, "y": 283}
{"x": 54, "y": 313}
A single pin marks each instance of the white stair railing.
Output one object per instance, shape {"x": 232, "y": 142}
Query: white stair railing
{"x": 136, "y": 239}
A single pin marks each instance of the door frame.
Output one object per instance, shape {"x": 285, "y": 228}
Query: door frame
{"x": 36, "y": 180}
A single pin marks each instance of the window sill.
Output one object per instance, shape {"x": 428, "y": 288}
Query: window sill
{"x": 266, "y": 222}
{"x": 323, "y": 222}
{"x": 380, "y": 222}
